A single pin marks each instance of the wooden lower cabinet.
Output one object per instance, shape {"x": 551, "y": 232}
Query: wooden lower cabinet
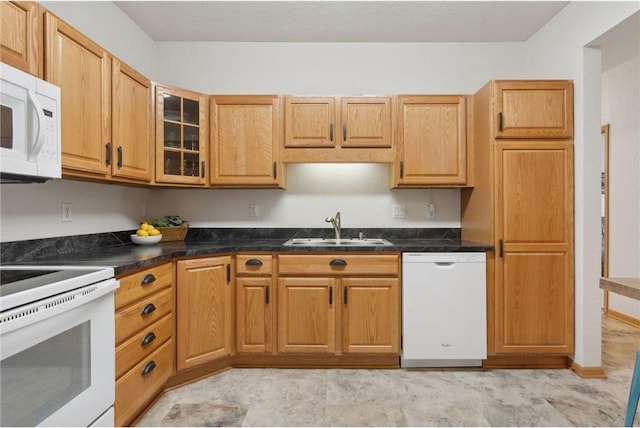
{"x": 329, "y": 306}
{"x": 254, "y": 315}
{"x": 306, "y": 315}
{"x": 370, "y": 314}
{"x": 204, "y": 310}
{"x": 144, "y": 339}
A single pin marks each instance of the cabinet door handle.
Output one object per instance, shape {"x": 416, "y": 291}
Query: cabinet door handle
{"x": 401, "y": 169}
{"x": 148, "y": 309}
{"x": 228, "y": 273}
{"x": 266, "y": 294}
{"x": 501, "y": 248}
{"x": 331, "y": 132}
{"x": 345, "y": 295}
{"x": 148, "y": 338}
{"x": 500, "y": 121}
{"x": 275, "y": 170}
{"x": 253, "y": 262}
{"x": 108, "y": 154}
{"x": 331, "y": 295}
{"x": 148, "y": 279}
{"x": 119, "y": 156}
{"x": 337, "y": 262}
{"x": 148, "y": 368}
{"x": 344, "y": 132}
{"x": 202, "y": 169}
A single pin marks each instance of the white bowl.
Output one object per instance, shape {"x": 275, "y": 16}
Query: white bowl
{"x": 146, "y": 240}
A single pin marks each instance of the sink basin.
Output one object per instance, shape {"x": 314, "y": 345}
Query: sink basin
{"x": 329, "y": 242}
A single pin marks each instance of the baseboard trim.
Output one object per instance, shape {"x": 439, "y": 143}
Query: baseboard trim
{"x": 526, "y": 362}
{"x": 588, "y": 372}
{"x": 627, "y": 319}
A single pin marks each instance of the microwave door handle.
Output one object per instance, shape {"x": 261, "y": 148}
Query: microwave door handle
{"x": 37, "y": 147}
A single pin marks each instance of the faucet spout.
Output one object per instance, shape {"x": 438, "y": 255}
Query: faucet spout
{"x": 335, "y": 221}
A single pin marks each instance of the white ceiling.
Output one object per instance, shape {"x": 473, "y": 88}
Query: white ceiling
{"x": 341, "y": 21}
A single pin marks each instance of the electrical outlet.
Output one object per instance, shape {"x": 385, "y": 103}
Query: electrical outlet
{"x": 431, "y": 210}
{"x": 398, "y": 211}
{"x": 66, "y": 211}
{"x": 253, "y": 210}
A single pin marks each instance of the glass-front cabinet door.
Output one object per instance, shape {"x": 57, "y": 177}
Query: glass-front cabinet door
{"x": 181, "y": 136}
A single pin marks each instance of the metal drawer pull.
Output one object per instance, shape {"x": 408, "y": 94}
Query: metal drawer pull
{"x": 253, "y": 262}
{"x": 108, "y": 154}
{"x": 119, "y": 156}
{"x": 500, "y": 121}
{"x": 337, "y": 262}
{"x": 331, "y": 132}
{"x": 331, "y": 295}
{"x": 148, "y": 368}
{"x": 148, "y": 279}
{"x": 345, "y": 295}
{"x": 266, "y": 294}
{"x": 344, "y": 132}
{"x": 148, "y": 309}
{"x": 148, "y": 338}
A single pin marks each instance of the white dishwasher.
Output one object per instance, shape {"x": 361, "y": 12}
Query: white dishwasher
{"x": 444, "y": 311}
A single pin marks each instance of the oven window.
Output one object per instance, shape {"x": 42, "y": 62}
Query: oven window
{"x": 6, "y": 127}
{"x": 41, "y": 379}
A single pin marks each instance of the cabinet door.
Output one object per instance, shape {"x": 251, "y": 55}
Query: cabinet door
{"x": 254, "y": 326}
{"x": 533, "y": 109}
{"x": 21, "y": 35}
{"x": 181, "y": 136}
{"x": 431, "y": 141}
{"x": 370, "y": 315}
{"x": 306, "y": 315}
{"x": 534, "y": 260}
{"x": 310, "y": 122}
{"x": 82, "y": 70}
{"x": 366, "y": 121}
{"x": 131, "y": 107}
{"x": 245, "y": 139}
{"x": 204, "y": 310}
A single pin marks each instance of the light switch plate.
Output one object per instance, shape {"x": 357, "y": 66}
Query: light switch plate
{"x": 398, "y": 211}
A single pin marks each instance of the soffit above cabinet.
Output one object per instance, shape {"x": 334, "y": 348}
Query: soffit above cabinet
{"x": 341, "y": 21}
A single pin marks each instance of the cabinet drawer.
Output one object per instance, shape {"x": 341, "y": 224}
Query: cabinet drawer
{"x": 248, "y": 264}
{"x": 142, "y": 344}
{"x": 339, "y": 264}
{"x": 134, "y": 318}
{"x": 144, "y": 283}
{"x": 135, "y": 389}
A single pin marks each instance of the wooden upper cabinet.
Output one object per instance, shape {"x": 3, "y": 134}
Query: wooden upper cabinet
{"x": 310, "y": 122}
{"x": 82, "y": 69}
{"x": 245, "y": 141}
{"x": 338, "y": 129}
{"x": 533, "y": 109}
{"x": 181, "y": 136}
{"x": 365, "y": 122}
{"x": 131, "y": 107}
{"x": 431, "y": 141}
{"x": 21, "y": 36}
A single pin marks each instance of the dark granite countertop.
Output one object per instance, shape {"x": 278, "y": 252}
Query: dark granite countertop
{"x": 127, "y": 257}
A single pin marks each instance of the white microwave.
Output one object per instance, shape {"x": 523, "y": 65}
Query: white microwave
{"x": 29, "y": 127}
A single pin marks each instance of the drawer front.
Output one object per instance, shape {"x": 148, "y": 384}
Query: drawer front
{"x": 138, "y": 285}
{"x": 339, "y": 264}
{"x": 135, "y": 389}
{"x": 131, "y": 351}
{"x": 248, "y": 264}
{"x": 134, "y": 318}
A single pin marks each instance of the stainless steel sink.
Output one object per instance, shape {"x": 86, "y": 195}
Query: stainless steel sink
{"x": 330, "y": 242}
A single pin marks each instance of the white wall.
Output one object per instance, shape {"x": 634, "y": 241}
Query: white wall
{"x": 621, "y": 109}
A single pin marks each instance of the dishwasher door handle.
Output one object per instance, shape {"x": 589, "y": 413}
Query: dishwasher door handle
{"x": 445, "y": 264}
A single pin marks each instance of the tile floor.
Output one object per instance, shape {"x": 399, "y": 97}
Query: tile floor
{"x": 433, "y": 397}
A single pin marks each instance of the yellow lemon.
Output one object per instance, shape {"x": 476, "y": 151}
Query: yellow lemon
{"x": 142, "y": 232}
{"x": 153, "y": 232}
{"x": 144, "y": 226}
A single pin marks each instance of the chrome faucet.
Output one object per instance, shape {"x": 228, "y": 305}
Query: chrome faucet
{"x": 335, "y": 221}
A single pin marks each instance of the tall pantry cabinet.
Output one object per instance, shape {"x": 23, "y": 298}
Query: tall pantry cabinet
{"x": 522, "y": 204}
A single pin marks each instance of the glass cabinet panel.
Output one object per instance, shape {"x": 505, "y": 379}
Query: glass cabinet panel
{"x": 180, "y": 136}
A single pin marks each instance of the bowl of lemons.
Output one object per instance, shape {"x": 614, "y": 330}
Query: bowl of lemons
{"x": 146, "y": 235}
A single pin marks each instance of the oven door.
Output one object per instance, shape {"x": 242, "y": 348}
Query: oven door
{"x": 58, "y": 363}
